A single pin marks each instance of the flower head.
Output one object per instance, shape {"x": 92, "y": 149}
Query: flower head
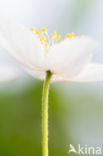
{"x": 67, "y": 59}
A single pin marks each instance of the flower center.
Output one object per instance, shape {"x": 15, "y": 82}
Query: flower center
{"x": 47, "y": 40}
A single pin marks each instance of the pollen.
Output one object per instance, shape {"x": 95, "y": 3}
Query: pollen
{"x": 46, "y": 44}
{"x": 32, "y": 29}
{"x": 43, "y": 30}
{"x": 54, "y": 34}
{"x": 42, "y": 38}
{"x": 37, "y": 32}
{"x": 72, "y": 34}
{"x": 58, "y": 37}
{"x": 68, "y": 35}
{"x": 54, "y": 39}
{"x": 47, "y": 40}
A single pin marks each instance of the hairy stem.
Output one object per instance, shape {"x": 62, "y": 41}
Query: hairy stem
{"x": 45, "y": 113}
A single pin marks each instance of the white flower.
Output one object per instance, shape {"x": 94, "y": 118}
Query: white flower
{"x": 68, "y": 60}
{"x": 8, "y": 72}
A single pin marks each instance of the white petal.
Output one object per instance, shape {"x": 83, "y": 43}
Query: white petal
{"x": 92, "y": 72}
{"x": 21, "y": 43}
{"x": 67, "y": 59}
{"x": 70, "y": 56}
{"x": 8, "y": 72}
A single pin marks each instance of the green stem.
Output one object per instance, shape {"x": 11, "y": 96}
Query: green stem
{"x": 45, "y": 113}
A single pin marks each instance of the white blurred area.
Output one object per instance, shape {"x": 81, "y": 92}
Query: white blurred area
{"x": 82, "y": 17}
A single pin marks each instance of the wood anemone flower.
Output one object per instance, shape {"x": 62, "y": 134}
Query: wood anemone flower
{"x": 50, "y": 58}
{"x": 68, "y": 59}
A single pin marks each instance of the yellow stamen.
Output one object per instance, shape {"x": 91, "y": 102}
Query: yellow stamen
{"x": 46, "y": 44}
{"x": 37, "y": 32}
{"x": 42, "y": 38}
{"x": 58, "y": 37}
{"x": 54, "y": 34}
{"x": 32, "y": 29}
{"x": 68, "y": 35}
{"x": 46, "y": 41}
{"x": 72, "y": 34}
{"x": 54, "y": 39}
{"x": 43, "y": 30}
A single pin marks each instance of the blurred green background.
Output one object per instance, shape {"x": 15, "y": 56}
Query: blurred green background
{"x": 75, "y": 109}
